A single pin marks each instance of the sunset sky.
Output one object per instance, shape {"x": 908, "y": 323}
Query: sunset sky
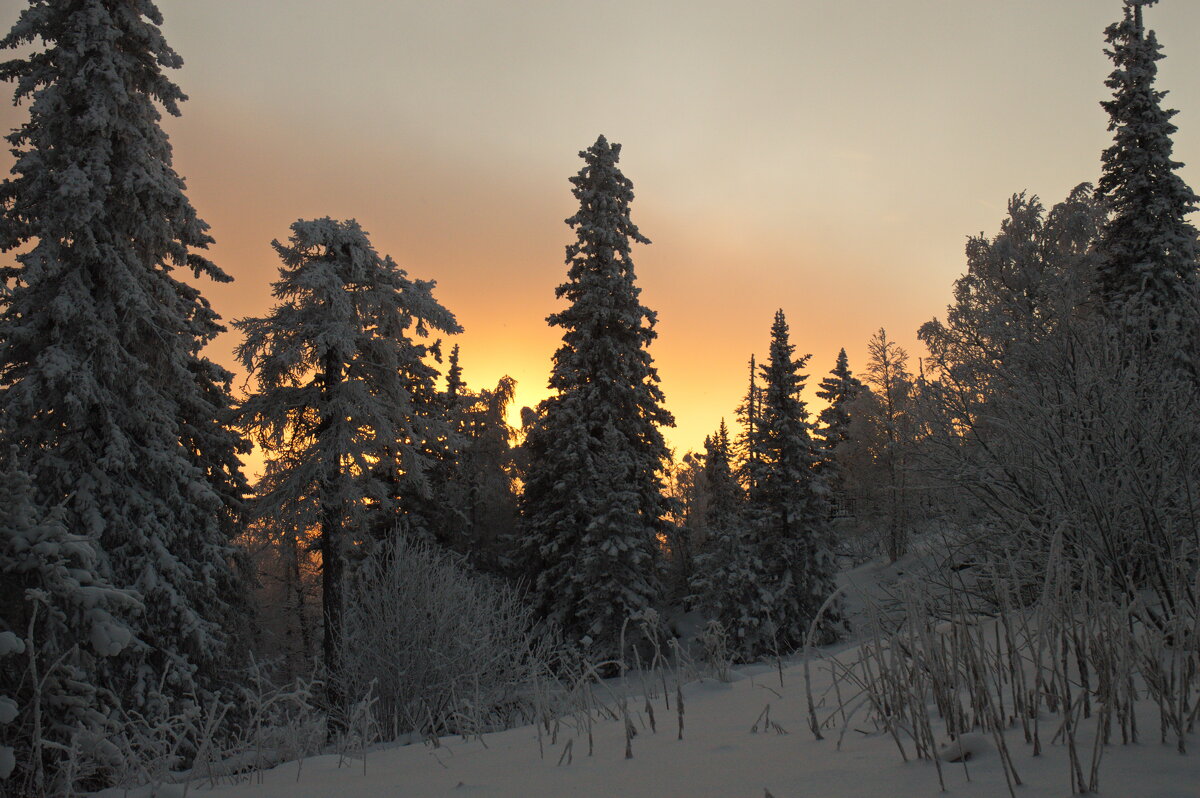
{"x": 829, "y": 158}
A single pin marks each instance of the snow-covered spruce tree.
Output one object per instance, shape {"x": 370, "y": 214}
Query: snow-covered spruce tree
{"x": 343, "y": 408}
{"x": 747, "y": 458}
{"x": 725, "y": 497}
{"x": 105, "y": 399}
{"x": 57, "y": 619}
{"x": 788, "y": 508}
{"x": 1147, "y": 249}
{"x": 726, "y": 583}
{"x": 445, "y": 510}
{"x": 593, "y": 503}
{"x": 840, "y": 389}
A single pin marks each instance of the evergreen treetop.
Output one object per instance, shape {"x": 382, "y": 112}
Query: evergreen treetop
{"x": 593, "y": 500}
{"x": 1147, "y": 247}
{"x": 746, "y": 448}
{"x": 724, "y": 495}
{"x": 341, "y": 361}
{"x": 346, "y": 409}
{"x": 785, "y": 441}
{"x": 607, "y": 329}
{"x": 839, "y": 389}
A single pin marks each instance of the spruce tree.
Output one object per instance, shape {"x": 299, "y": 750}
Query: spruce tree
{"x": 105, "y": 399}
{"x": 1147, "y": 249}
{"x": 593, "y": 502}
{"x": 445, "y": 509}
{"x": 58, "y": 620}
{"x": 727, "y": 583}
{"x": 725, "y": 497}
{"x": 455, "y": 387}
{"x": 840, "y": 389}
{"x": 789, "y": 504}
{"x": 343, "y": 408}
{"x": 747, "y": 449}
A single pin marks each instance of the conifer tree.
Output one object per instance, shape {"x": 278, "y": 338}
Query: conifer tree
{"x": 789, "y": 505}
{"x": 58, "y": 619}
{"x": 725, "y": 498}
{"x": 344, "y": 406}
{"x": 593, "y": 501}
{"x": 455, "y": 387}
{"x": 105, "y": 399}
{"x": 1147, "y": 249}
{"x": 726, "y": 584}
{"x": 445, "y": 510}
{"x": 747, "y": 448}
{"x": 840, "y": 389}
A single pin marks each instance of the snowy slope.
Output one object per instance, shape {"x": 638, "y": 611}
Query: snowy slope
{"x": 719, "y": 757}
{"x": 732, "y": 746}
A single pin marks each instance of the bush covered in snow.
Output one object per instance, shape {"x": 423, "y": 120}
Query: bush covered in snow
{"x": 447, "y": 649}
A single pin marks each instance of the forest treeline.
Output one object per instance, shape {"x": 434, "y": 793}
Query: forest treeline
{"x": 406, "y": 544}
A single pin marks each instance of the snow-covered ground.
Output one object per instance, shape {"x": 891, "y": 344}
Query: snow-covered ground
{"x": 732, "y": 746}
{"x": 720, "y": 756}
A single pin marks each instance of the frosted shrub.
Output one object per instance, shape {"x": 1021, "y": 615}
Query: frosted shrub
{"x": 1050, "y": 421}
{"x": 716, "y": 650}
{"x": 963, "y": 658}
{"x": 448, "y": 649}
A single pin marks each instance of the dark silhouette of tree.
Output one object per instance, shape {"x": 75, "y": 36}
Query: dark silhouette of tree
{"x": 593, "y": 501}
{"x": 344, "y": 406}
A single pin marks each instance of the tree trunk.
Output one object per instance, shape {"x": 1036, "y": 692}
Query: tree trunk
{"x": 332, "y": 563}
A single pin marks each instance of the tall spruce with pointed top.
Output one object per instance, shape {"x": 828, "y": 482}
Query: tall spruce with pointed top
{"x": 593, "y": 503}
{"x": 789, "y": 505}
{"x": 106, "y": 401}
{"x": 840, "y": 389}
{"x": 1147, "y": 249}
{"x": 346, "y": 408}
{"x": 747, "y": 448}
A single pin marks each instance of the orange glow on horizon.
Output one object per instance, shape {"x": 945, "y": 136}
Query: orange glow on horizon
{"x": 835, "y": 176}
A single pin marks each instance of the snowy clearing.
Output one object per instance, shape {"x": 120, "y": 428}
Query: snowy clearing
{"x": 720, "y": 756}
